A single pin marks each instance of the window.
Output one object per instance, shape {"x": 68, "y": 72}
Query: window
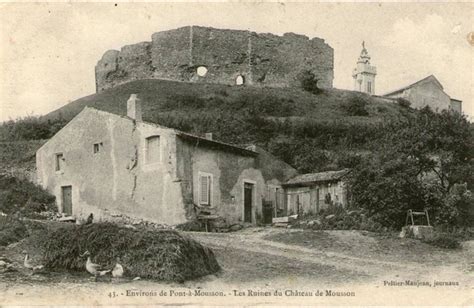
{"x": 153, "y": 149}
{"x": 239, "y": 80}
{"x": 59, "y": 162}
{"x": 201, "y": 71}
{"x": 205, "y": 186}
{"x": 369, "y": 86}
{"x": 97, "y": 147}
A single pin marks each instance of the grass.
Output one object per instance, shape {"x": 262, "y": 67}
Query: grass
{"x": 160, "y": 96}
{"x": 12, "y": 230}
{"x": 446, "y": 241}
{"x": 153, "y": 254}
{"x": 19, "y": 154}
{"x": 276, "y": 119}
{"x": 20, "y": 195}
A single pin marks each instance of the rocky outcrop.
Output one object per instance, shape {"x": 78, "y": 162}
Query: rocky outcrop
{"x": 226, "y": 55}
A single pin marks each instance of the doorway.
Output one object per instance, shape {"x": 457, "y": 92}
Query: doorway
{"x": 248, "y": 193}
{"x": 66, "y": 192}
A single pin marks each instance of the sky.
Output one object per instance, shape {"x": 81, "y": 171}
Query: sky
{"x": 48, "y": 51}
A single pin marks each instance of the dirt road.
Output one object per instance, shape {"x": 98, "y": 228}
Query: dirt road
{"x": 363, "y": 267}
{"x": 338, "y": 257}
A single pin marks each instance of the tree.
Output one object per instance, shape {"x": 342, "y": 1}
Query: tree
{"x": 418, "y": 163}
{"x": 309, "y": 82}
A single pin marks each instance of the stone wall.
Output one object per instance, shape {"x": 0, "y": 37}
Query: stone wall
{"x": 260, "y": 59}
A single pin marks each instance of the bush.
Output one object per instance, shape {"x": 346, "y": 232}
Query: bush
{"x": 446, "y": 241}
{"x": 155, "y": 254}
{"x": 12, "y": 230}
{"x": 402, "y": 102}
{"x": 356, "y": 106}
{"x": 309, "y": 82}
{"x": 457, "y": 209}
{"x": 335, "y": 217}
{"x": 17, "y": 195}
{"x": 30, "y": 128}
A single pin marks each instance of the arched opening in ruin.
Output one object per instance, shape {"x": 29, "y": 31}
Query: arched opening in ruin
{"x": 201, "y": 71}
{"x": 240, "y": 80}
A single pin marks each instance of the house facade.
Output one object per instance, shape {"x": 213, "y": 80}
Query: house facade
{"x": 312, "y": 192}
{"x": 427, "y": 92}
{"x": 114, "y": 166}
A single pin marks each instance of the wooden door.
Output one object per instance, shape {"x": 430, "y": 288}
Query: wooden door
{"x": 67, "y": 199}
{"x": 248, "y": 189}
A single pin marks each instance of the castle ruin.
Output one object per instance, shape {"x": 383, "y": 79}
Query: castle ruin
{"x": 202, "y": 54}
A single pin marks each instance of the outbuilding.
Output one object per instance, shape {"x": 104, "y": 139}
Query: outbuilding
{"x": 311, "y": 192}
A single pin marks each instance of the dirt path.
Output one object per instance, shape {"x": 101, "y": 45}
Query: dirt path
{"x": 362, "y": 258}
{"x": 256, "y": 243}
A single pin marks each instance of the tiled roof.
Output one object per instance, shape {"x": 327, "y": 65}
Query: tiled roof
{"x": 318, "y": 177}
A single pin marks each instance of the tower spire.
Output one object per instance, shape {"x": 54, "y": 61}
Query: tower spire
{"x": 364, "y": 73}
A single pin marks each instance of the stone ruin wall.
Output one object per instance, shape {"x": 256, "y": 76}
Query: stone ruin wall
{"x": 261, "y": 59}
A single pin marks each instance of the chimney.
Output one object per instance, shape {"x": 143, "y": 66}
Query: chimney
{"x": 209, "y": 136}
{"x": 134, "y": 108}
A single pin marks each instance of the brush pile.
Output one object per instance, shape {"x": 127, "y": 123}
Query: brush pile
{"x": 153, "y": 254}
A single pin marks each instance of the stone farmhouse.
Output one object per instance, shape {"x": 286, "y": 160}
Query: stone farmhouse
{"x": 112, "y": 166}
{"x": 312, "y": 192}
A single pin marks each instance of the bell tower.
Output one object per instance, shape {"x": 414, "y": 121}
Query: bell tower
{"x": 364, "y": 73}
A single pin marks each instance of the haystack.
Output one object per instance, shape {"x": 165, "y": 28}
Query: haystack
{"x": 154, "y": 254}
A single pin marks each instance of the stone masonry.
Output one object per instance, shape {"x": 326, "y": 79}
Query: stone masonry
{"x": 224, "y": 56}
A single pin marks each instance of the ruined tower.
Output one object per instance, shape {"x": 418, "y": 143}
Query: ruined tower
{"x": 364, "y": 73}
{"x": 209, "y": 55}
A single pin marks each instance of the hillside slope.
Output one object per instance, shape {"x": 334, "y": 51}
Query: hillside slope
{"x": 299, "y": 127}
{"x": 161, "y": 96}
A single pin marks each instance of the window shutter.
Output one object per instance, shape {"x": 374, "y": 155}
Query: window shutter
{"x": 204, "y": 196}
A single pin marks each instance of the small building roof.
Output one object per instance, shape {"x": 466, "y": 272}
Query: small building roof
{"x": 216, "y": 144}
{"x": 430, "y": 77}
{"x": 319, "y": 177}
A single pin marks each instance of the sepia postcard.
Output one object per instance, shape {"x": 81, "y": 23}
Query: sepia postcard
{"x": 237, "y": 153}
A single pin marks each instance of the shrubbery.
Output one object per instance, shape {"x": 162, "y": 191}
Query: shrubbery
{"x": 335, "y": 217}
{"x": 309, "y": 82}
{"x": 418, "y": 164}
{"x": 11, "y": 230}
{"x": 24, "y": 197}
{"x": 356, "y": 106}
{"x": 30, "y": 128}
{"x": 403, "y": 102}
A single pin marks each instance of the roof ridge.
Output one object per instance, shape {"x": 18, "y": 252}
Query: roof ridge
{"x": 414, "y": 83}
{"x": 178, "y": 132}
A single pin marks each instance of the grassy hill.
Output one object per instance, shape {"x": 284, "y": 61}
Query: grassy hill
{"x": 162, "y": 96}
{"x": 310, "y": 131}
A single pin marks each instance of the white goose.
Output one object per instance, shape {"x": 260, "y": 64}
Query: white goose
{"x": 27, "y": 263}
{"x": 117, "y": 271}
{"x": 93, "y": 268}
